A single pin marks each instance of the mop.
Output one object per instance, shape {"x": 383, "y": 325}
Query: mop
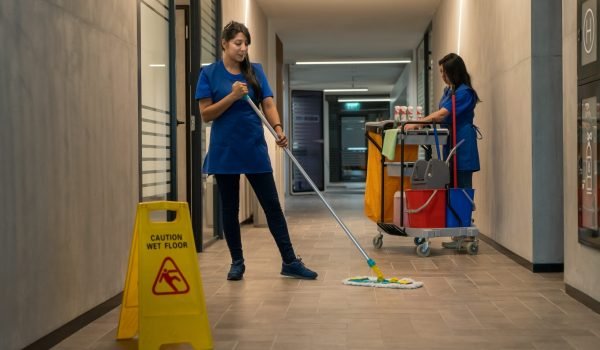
{"x": 380, "y": 281}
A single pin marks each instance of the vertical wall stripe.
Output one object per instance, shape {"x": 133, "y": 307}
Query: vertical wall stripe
{"x": 547, "y": 145}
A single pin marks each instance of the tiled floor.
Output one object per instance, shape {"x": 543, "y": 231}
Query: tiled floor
{"x": 468, "y": 302}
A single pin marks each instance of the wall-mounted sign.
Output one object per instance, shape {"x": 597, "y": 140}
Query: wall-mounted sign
{"x": 588, "y": 32}
{"x": 587, "y": 151}
{"x": 589, "y": 170}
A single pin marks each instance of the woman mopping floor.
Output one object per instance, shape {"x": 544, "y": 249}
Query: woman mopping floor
{"x": 380, "y": 281}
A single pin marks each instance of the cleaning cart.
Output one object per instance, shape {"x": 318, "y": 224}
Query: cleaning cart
{"x": 423, "y": 209}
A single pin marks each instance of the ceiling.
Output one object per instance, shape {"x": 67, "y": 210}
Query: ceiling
{"x": 314, "y": 30}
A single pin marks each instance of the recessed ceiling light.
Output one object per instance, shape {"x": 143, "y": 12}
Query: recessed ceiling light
{"x": 353, "y": 62}
{"x": 364, "y": 99}
{"x": 346, "y": 90}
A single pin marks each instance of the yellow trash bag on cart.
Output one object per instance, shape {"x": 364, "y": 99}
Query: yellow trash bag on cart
{"x": 391, "y": 183}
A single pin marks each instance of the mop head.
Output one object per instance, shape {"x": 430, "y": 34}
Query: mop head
{"x": 397, "y": 283}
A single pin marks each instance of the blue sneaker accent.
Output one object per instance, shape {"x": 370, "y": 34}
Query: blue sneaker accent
{"x": 236, "y": 272}
{"x": 297, "y": 269}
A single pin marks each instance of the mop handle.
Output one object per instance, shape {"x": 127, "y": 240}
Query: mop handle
{"x": 437, "y": 142}
{"x": 454, "y": 162}
{"x": 289, "y": 153}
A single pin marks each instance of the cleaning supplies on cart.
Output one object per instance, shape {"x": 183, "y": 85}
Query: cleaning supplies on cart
{"x": 419, "y": 114}
{"x": 409, "y": 113}
{"x": 396, "y": 115}
{"x": 403, "y": 110}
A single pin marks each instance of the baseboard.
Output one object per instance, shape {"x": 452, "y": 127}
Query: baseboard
{"x": 78, "y": 323}
{"x": 558, "y": 267}
{"x": 548, "y": 267}
{"x": 583, "y": 298}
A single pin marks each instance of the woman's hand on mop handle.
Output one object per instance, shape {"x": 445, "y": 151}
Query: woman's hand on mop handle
{"x": 282, "y": 140}
{"x": 239, "y": 90}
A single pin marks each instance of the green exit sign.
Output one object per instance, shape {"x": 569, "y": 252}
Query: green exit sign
{"x": 352, "y": 106}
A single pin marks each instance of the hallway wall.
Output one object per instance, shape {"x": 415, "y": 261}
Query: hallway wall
{"x": 515, "y": 68}
{"x": 496, "y": 47}
{"x": 581, "y": 262}
{"x": 69, "y": 155}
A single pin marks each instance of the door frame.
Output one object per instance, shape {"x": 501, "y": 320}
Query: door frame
{"x": 196, "y": 181}
{"x": 188, "y": 148}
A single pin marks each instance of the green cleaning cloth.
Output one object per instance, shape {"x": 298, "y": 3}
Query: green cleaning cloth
{"x": 389, "y": 143}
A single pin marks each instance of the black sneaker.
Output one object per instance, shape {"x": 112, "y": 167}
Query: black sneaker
{"x": 297, "y": 269}
{"x": 236, "y": 272}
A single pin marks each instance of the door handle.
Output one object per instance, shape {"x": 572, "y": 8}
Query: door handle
{"x": 179, "y": 122}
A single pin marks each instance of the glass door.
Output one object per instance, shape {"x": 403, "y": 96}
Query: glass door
{"x": 155, "y": 98}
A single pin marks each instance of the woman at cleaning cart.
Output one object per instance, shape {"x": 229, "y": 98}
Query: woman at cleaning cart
{"x": 237, "y": 145}
{"x": 454, "y": 74}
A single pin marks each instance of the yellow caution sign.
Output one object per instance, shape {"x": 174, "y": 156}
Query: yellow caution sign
{"x": 163, "y": 298}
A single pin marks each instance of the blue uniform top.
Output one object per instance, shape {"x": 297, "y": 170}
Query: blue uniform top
{"x": 237, "y": 141}
{"x": 467, "y": 153}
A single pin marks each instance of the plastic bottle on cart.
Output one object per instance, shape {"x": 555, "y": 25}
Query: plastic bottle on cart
{"x": 419, "y": 112}
{"x": 403, "y": 113}
{"x": 397, "y": 114}
{"x": 410, "y": 113}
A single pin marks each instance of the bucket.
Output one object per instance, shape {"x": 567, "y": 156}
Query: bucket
{"x": 460, "y": 207}
{"x": 426, "y": 208}
{"x": 397, "y": 211}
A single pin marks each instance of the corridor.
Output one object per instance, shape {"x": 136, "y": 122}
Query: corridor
{"x": 485, "y": 301}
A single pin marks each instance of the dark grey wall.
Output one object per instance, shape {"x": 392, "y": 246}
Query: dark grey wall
{"x": 69, "y": 159}
{"x": 547, "y": 144}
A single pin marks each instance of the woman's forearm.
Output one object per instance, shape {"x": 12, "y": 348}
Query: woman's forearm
{"x": 436, "y": 116}
{"x": 271, "y": 113}
{"x": 211, "y": 111}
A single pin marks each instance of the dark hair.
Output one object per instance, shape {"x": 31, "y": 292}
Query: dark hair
{"x": 456, "y": 71}
{"x": 229, "y": 32}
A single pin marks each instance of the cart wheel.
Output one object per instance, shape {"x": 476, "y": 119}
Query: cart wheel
{"x": 378, "y": 241}
{"x": 472, "y": 248}
{"x": 423, "y": 250}
{"x": 419, "y": 240}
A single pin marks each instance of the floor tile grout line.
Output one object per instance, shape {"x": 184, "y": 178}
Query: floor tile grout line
{"x": 450, "y": 284}
{"x": 528, "y": 307}
{"x": 472, "y": 281}
{"x": 555, "y": 305}
{"x": 221, "y": 317}
{"x": 504, "y": 314}
{"x": 273, "y": 342}
{"x": 475, "y": 317}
